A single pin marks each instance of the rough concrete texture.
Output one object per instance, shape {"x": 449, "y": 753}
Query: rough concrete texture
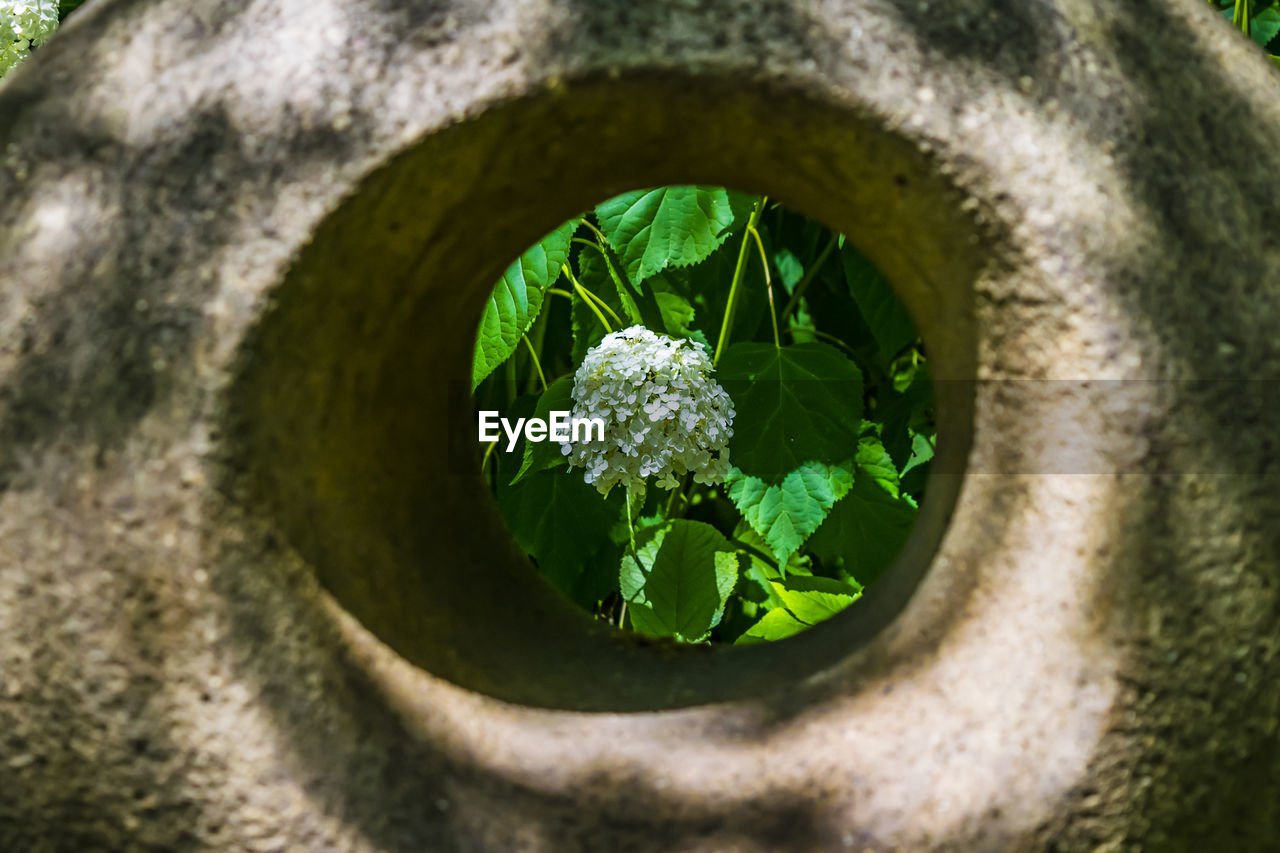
{"x": 251, "y": 599}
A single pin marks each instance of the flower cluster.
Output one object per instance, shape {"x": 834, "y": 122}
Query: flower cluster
{"x": 24, "y": 23}
{"x": 664, "y": 415}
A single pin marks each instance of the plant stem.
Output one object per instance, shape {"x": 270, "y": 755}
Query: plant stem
{"x": 596, "y": 299}
{"x": 731, "y": 304}
{"x": 604, "y": 305}
{"x": 631, "y": 529}
{"x": 768, "y": 284}
{"x": 488, "y": 451}
{"x": 535, "y": 339}
{"x": 588, "y": 297}
{"x": 808, "y": 277}
{"x": 635, "y": 555}
{"x": 602, "y": 244}
{"x": 591, "y": 243}
{"x": 671, "y": 502}
{"x": 599, "y": 234}
{"x": 677, "y": 492}
{"x": 558, "y": 292}
{"x": 533, "y": 353}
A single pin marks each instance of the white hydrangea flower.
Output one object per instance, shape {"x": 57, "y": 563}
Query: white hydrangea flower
{"x": 664, "y": 414}
{"x": 23, "y": 24}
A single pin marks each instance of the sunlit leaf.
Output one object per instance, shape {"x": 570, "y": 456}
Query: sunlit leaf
{"x": 517, "y": 299}
{"x": 786, "y": 514}
{"x": 682, "y": 581}
{"x": 777, "y": 624}
{"x": 668, "y": 226}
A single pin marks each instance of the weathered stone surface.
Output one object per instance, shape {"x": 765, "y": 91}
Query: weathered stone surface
{"x": 245, "y": 244}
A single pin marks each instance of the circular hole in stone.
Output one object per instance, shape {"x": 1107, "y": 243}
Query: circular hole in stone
{"x": 351, "y": 428}
{"x": 704, "y": 417}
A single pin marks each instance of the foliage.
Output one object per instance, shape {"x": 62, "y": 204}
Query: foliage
{"x": 24, "y": 24}
{"x": 517, "y": 299}
{"x": 832, "y": 436}
{"x": 1257, "y": 19}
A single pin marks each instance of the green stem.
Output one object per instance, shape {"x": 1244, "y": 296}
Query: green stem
{"x": 631, "y": 529}
{"x": 731, "y": 306}
{"x": 1241, "y": 16}
{"x": 808, "y": 278}
{"x": 558, "y": 292}
{"x": 768, "y": 284}
{"x": 533, "y": 353}
{"x": 628, "y": 302}
{"x": 588, "y": 297}
{"x": 536, "y": 340}
{"x": 590, "y": 243}
{"x": 602, "y": 245}
{"x": 677, "y": 494}
{"x": 671, "y": 502}
{"x": 604, "y": 305}
{"x": 596, "y": 299}
{"x": 599, "y": 234}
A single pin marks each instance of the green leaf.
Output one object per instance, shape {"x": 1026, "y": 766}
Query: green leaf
{"x": 814, "y": 599}
{"x": 790, "y": 268}
{"x": 804, "y": 602}
{"x": 785, "y": 515}
{"x": 540, "y": 455}
{"x": 884, "y": 313}
{"x": 667, "y": 227}
{"x": 517, "y": 299}
{"x": 899, "y": 413}
{"x": 921, "y": 453}
{"x": 795, "y": 404}
{"x": 777, "y": 624}
{"x": 873, "y": 461}
{"x": 679, "y": 587}
{"x": 758, "y": 573}
{"x": 865, "y": 530}
{"x": 560, "y": 521}
{"x": 676, "y": 308}
{"x": 1265, "y": 26}
{"x": 632, "y": 576}
{"x": 916, "y": 471}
